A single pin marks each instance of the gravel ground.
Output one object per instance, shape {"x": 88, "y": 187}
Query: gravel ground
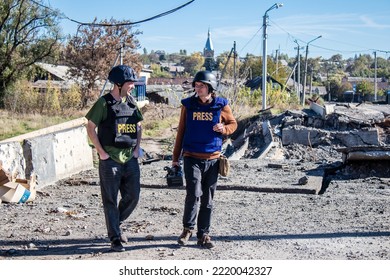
{"x": 260, "y": 213}
{"x": 349, "y": 221}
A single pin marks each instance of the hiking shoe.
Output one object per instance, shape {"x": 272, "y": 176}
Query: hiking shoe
{"x": 185, "y": 236}
{"x": 116, "y": 245}
{"x": 205, "y": 242}
{"x": 123, "y": 238}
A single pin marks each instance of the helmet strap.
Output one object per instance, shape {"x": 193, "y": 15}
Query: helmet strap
{"x": 119, "y": 87}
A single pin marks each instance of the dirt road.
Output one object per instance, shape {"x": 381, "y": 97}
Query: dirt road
{"x": 350, "y": 221}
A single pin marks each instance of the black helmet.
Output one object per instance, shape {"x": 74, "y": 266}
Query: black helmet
{"x": 121, "y": 74}
{"x": 206, "y": 77}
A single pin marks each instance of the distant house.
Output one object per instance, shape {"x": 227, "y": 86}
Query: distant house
{"x": 53, "y": 75}
{"x": 57, "y": 76}
{"x": 381, "y": 83}
{"x": 174, "y": 69}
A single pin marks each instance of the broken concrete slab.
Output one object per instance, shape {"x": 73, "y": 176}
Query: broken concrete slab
{"x": 360, "y": 114}
{"x": 313, "y": 137}
{"x": 322, "y": 110}
{"x": 363, "y": 153}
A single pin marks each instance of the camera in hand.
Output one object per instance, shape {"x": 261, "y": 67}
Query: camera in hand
{"x": 174, "y": 176}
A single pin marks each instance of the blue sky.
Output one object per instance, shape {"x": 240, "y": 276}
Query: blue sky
{"x": 348, "y": 28}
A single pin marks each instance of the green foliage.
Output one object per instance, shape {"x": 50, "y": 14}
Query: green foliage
{"x": 245, "y": 102}
{"x": 94, "y": 49}
{"x": 249, "y": 98}
{"x": 193, "y": 63}
{"x": 71, "y": 99}
{"x": 20, "y": 97}
{"x": 277, "y": 97}
{"x": 364, "y": 88}
{"x": 159, "y": 72}
{"x": 28, "y": 33}
{"x": 23, "y": 98}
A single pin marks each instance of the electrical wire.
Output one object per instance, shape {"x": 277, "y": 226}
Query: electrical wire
{"x": 293, "y": 38}
{"x": 250, "y": 40}
{"x": 116, "y": 24}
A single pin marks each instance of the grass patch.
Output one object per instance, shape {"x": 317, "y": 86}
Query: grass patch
{"x": 12, "y": 124}
{"x": 159, "y": 128}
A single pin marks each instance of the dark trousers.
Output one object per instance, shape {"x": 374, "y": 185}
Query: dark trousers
{"x": 201, "y": 182}
{"x": 118, "y": 178}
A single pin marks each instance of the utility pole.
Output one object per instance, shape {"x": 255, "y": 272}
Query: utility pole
{"x": 305, "y": 73}
{"x": 311, "y": 80}
{"x": 299, "y": 71}
{"x": 234, "y": 68}
{"x": 233, "y": 50}
{"x": 277, "y": 62}
{"x": 121, "y": 53}
{"x": 264, "y": 78}
{"x": 375, "y": 84}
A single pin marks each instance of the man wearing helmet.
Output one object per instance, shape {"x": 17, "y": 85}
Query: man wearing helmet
{"x": 205, "y": 118}
{"x": 117, "y": 120}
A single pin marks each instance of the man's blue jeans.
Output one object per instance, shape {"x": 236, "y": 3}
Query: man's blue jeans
{"x": 118, "y": 178}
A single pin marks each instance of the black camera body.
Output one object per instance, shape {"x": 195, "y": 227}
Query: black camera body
{"x": 174, "y": 176}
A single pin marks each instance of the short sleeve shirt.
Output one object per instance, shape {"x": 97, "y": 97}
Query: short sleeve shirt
{"x": 97, "y": 114}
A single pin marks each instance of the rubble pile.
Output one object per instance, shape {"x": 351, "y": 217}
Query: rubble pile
{"x": 308, "y": 136}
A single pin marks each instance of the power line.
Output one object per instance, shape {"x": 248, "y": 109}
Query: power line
{"x": 250, "y": 40}
{"x": 116, "y": 24}
{"x": 327, "y": 49}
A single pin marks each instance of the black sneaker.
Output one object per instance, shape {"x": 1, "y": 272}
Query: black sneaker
{"x": 205, "y": 242}
{"x": 116, "y": 245}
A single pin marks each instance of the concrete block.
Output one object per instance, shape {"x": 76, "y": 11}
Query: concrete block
{"x": 304, "y": 136}
{"x": 12, "y": 158}
{"x": 40, "y": 159}
{"x": 59, "y": 155}
{"x": 51, "y": 154}
{"x": 267, "y": 134}
{"x": 322, "y": 110}
{"x": 361, "y": 137}
{"x": 318, "y": 109}
{"x": 313, "y": 137}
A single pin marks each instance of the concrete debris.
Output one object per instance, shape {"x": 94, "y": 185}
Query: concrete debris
{"x": 303, "y": 180}
{"x": 364, "y": 153}
{"x": 334, "y": 126}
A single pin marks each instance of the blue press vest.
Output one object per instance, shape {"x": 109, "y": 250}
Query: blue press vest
{"x": 199, "y": 136}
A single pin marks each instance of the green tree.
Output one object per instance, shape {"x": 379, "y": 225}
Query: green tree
{"x": 226, "y": 63}
{"x": 193, "y": 63}
{"x": 28, "y": 34}
{"x": 361, "y": 67}
{"x": 92, "y": 52}
{"x": 364, "y": 88}
{"x": 252, "y": 65}
{"x": 159, "y": 72}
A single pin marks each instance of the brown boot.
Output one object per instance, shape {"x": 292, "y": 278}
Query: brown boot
{"x": 185, "y": 236}
{"x": 205, "y": 242}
